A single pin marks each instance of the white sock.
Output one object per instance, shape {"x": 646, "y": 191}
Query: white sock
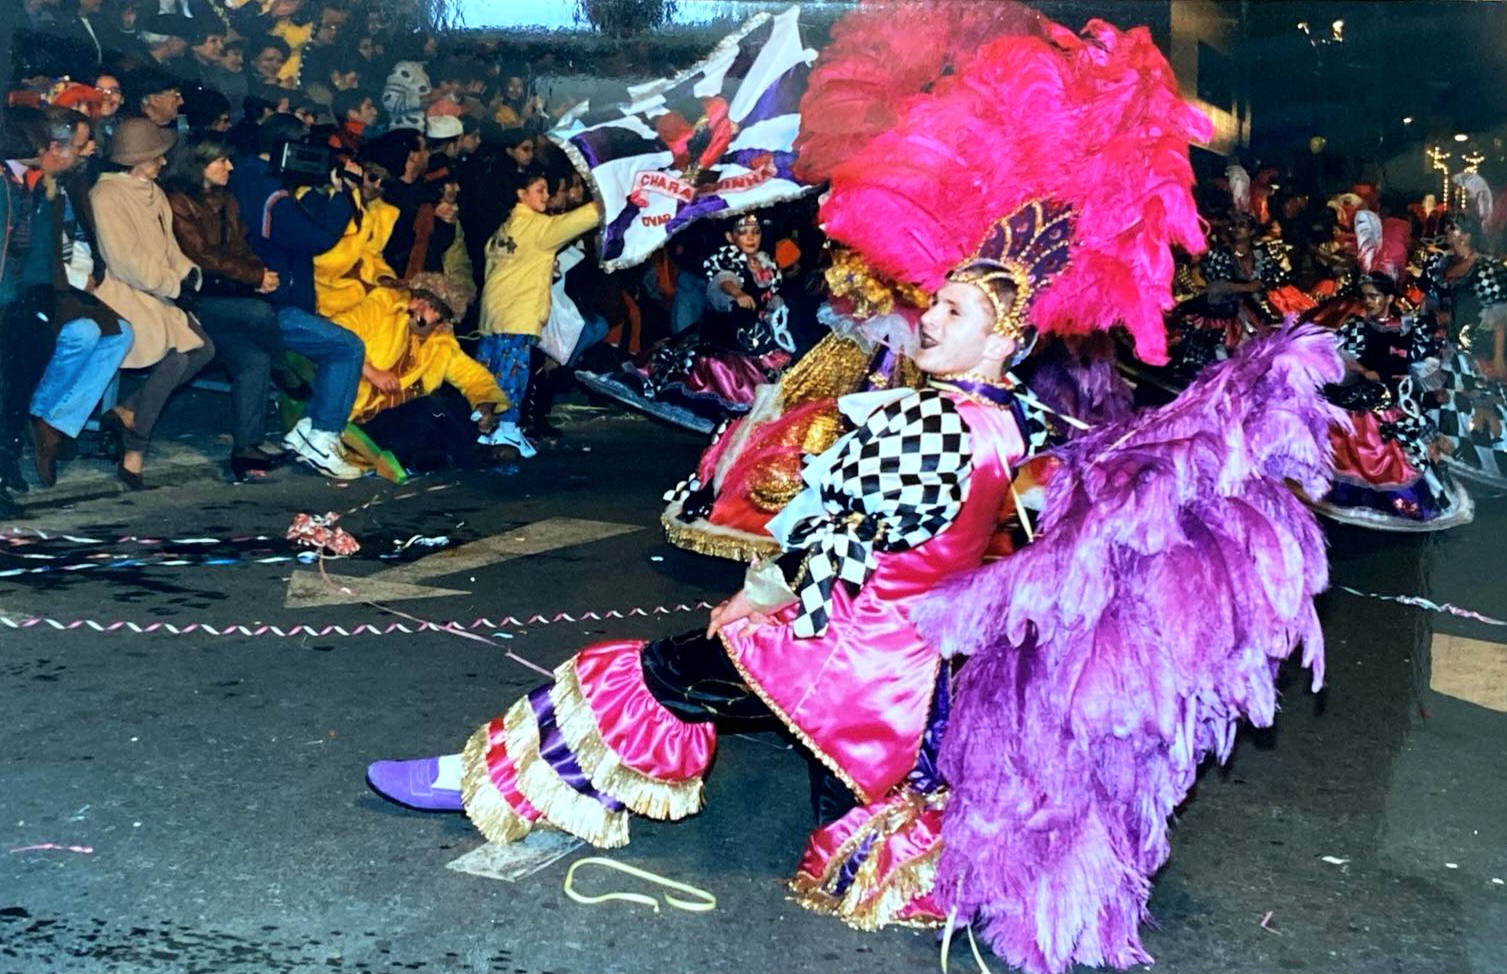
{"x": 448, "y": 777}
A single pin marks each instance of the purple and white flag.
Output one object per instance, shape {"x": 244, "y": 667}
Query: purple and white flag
{"x": 715, "y": 140}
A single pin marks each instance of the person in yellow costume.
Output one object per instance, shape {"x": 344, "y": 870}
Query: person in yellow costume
{"x": 516, "y": 295}
{"x": 354, "y": 269}
{"x": 411, "y": 355}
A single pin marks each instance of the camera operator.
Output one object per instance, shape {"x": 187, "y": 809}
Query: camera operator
{"x": 293, "y": 221}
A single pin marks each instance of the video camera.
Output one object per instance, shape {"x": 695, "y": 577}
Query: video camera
{"x": 302, "y": 163}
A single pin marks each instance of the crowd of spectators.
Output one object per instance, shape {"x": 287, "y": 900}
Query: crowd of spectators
{"x": 299, "y": 196}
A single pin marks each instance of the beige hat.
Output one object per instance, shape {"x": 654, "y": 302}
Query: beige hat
{"x": 139, "y": 140}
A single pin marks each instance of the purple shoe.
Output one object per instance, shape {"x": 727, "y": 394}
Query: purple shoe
{"x": 411, "y": 783}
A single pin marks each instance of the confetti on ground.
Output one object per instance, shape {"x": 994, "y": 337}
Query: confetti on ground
{"x": 1334, "y": 860}
{"x": 1266, "y": 924}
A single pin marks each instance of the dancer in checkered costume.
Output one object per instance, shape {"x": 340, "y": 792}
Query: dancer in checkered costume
{"x": 1469, "y": 291}
{"x": 1387, "y": 470}
{"x": 819, "y": 642}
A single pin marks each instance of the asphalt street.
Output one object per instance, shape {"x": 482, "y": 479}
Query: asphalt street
{"x": 216, "y": 781}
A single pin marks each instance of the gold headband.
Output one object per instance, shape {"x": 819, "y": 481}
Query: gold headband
{"x": 1009, "y": 317}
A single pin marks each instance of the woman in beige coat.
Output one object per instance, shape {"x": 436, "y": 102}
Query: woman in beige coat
{"x": 148, "y": 281}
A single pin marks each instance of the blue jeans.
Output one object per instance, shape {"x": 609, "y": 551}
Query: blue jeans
{"x": 80, "y": 370}
{"x": 337, "y": 355}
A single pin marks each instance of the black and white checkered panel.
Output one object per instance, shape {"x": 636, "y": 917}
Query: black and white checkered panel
{"x": 1490, "y": 282}
{"x": 1041, "y": 429}
{"x": 1273, "y": 265}
{"x": 900, "y": 479}
{"x": 1218, "y": 265}
{"x": 1352, "y": 337}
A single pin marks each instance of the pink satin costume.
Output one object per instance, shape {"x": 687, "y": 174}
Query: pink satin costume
{"x": 582, "y": 752}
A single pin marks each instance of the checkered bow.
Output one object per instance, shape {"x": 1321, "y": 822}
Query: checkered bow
{"x": 895, "y": 482}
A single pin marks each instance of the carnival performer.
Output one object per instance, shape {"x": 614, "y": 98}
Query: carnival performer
{"x": 710, "y": 371}
{"x": 1249, "y": 288}
{"x": 910, "y": 494}
{"x": 1468, "y": 290}
{"x": 1387, "y": 470}
{"x": 1031, "y": 798}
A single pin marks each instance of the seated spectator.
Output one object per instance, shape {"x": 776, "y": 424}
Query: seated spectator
{"x": 60, "y": 344}
{"x": 355, "y": 113}
{"x": 267, "y": 63}
{"x": 206, "y": 111}
{"x": 351, "y": 270}
{"x": 167, "y": 37}
{"x": 133, "y": 222}
{"x": 404, "y": 153}
{"x": 111, "y": 98}
{"x": 296, "y": 224}
{"x": 205, "y": 37}
{"x": 516, "y": 299}
{"x": 232, "y": 81}
{"x": 232, "y": 306}
{"x": 406, "y": 94}
{"x": 80, "y": 36}
{"x": 411, "y": 352}
{"x": 154, "y": 95}
{"x": 120, "y": 32}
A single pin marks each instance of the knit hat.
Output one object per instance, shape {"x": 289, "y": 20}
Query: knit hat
{"x": 139, "y": 140}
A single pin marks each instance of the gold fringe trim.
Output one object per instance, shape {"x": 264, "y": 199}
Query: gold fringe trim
{"x": 485, "y": 806}
{"x": 564, "y": 807}
{"x": 705, "y": 538}
{"x": 870, "y": 901}
{"x": 800, "y": 734}
{"x": 650, "y": 797}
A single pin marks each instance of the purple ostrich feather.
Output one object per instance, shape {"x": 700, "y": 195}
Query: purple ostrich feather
{"x": 1174, "y": 568}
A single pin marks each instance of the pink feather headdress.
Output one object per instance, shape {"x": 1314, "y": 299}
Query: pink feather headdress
{"x": 1094, "y": 121}
{"x": 884, "y": 54}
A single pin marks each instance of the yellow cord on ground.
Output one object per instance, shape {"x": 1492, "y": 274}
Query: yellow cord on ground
{"x": 705, "y": 904}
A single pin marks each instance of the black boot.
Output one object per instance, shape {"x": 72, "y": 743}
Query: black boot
{"x": 538, "y": 400}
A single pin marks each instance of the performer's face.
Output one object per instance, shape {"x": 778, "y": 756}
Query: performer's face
{"x": 747, "y": 239}
{"x": 535, "y": 195}
{"x": 957, "y": 333}
{"x": 1376, "y": 302}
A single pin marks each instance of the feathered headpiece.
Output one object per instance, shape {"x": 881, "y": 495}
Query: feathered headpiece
{"x": 1477, "y": 193}
{"x": 1095, "y": 122}
{"x": 881, "y": 56}
{"x": 1024, "y": 251}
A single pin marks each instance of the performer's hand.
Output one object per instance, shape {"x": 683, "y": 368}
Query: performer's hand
{"x": 486, "y": 422}
{"x": 733, "y": 610}
{"x": 744, "y": 301}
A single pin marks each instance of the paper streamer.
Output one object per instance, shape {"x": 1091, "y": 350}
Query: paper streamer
{"x": 44, "y": 846}
{"x": 1422, "y": 603}
{"x": 704, "y": 901}
{"x": 363, "y": 629}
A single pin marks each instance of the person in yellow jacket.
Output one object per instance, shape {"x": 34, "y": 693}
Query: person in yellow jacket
{"x": 347, "y": 273}
{"x": 515, "y": 296}
{"x": 411, "y": 354}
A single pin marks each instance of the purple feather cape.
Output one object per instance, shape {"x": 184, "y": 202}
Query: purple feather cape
{"x": 1174, "y": 568}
